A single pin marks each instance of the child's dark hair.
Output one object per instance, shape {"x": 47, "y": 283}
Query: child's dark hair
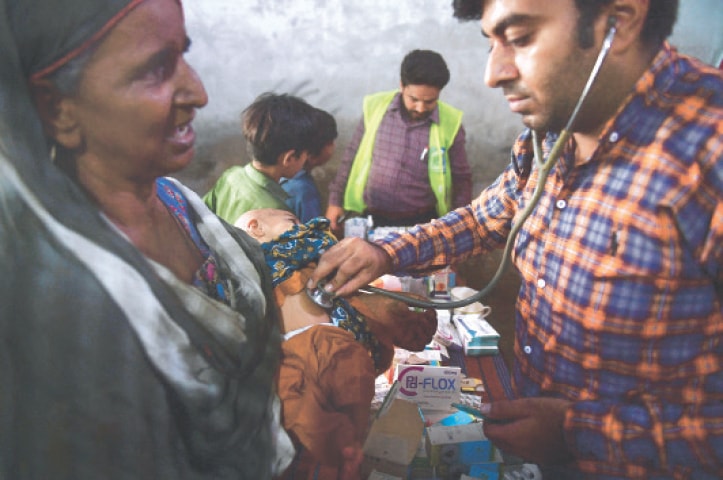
{"x": 326, "y": 131}
{"x": 276, "y": 123}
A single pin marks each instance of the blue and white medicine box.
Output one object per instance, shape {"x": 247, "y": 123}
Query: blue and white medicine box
{"x": 477, "y": 335}
{"x": 458, "y": 444}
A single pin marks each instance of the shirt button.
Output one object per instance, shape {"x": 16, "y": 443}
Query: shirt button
{"x": 541, "y": 282}
{"x": 561, "y": 204}
{"x": 614, "y": 137}
{"x": 527, "y": 349}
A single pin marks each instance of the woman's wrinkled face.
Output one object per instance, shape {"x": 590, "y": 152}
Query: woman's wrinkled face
{"x": 137, "y": 98}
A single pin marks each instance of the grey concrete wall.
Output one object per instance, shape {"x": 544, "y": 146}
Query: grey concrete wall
{"x": 333, "y": 52}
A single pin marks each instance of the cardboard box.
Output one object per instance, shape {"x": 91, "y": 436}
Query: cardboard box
{"x": 420, "y": 469}
{"x": 454, "y": 445}
{"x": 394, "y": 437}
{"x": 374, "y": 475}
{"x": 432, "y": 388}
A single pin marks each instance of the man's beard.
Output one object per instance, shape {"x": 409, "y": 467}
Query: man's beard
{"x": 416, "y": 116}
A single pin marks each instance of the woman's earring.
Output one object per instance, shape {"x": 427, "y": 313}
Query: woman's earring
{"x": 53, "y": 153}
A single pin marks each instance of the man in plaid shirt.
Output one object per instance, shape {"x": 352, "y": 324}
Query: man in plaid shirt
{"x": 619, "y": 319}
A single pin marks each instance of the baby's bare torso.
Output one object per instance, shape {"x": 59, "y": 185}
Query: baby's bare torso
{"x": 298, "y": 311}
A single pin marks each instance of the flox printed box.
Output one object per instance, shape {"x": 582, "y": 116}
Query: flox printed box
{"x": 432, "y": 388}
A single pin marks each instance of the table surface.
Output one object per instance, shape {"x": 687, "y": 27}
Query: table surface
{"x": 492, "y": 370}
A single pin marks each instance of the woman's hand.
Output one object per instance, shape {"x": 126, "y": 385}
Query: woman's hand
{"x": 530, "y": 428}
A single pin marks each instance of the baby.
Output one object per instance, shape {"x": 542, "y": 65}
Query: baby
{"x": 330, "y": 359}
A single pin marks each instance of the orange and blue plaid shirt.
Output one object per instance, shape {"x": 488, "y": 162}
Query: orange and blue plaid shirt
{"x": 620, "y": 306}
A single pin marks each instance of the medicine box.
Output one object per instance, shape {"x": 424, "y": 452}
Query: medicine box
{"x": 394, "y": 438}
{"x": 458, "y": 444}
{"x": 430, "y": 387}
{"x": 454, "y": 450}
{"x": 491, "y": 470}
{"x": 477, "y": 335}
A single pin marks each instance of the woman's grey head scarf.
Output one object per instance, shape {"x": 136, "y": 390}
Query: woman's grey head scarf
{"x": 36, "y": 38}
{"x": 48, "y": 34}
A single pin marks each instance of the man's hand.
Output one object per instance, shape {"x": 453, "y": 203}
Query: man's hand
{"x": 350, "y": 264}
{"x": 333, "y": 213}
{"x": 530, "y": 428}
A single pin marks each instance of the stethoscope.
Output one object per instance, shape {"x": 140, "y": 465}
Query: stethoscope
{"x": 324, "y": 299}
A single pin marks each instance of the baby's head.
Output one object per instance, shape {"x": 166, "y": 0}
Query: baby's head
{"x": 266, "y": 224}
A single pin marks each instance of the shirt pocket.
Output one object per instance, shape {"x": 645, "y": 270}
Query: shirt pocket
{"x": 644, "y": 279}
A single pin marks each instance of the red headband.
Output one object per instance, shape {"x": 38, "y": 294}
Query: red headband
{"x": 90, "y": 41}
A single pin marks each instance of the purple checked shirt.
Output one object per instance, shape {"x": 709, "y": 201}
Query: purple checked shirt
{"x": 398, "y": 180}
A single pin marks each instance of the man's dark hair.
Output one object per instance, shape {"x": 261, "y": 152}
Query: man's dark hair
{"x": 467, "y": 9}
{"x": 424, "y": 67}
{"x": 658, "y": 24}
{"x": 325, "y": 131}
{"x": 276, "y": 123}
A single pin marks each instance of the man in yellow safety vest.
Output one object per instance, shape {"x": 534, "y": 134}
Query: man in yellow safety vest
{"x": 406, "y": 162}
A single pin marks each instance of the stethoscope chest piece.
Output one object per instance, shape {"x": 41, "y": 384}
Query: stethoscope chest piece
{"x": 320, "y": 297}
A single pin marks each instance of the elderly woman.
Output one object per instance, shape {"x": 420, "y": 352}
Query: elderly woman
{"x": 138, "y": 335}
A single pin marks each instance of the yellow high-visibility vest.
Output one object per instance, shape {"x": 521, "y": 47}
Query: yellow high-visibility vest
{"x": 441, "y": 137}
